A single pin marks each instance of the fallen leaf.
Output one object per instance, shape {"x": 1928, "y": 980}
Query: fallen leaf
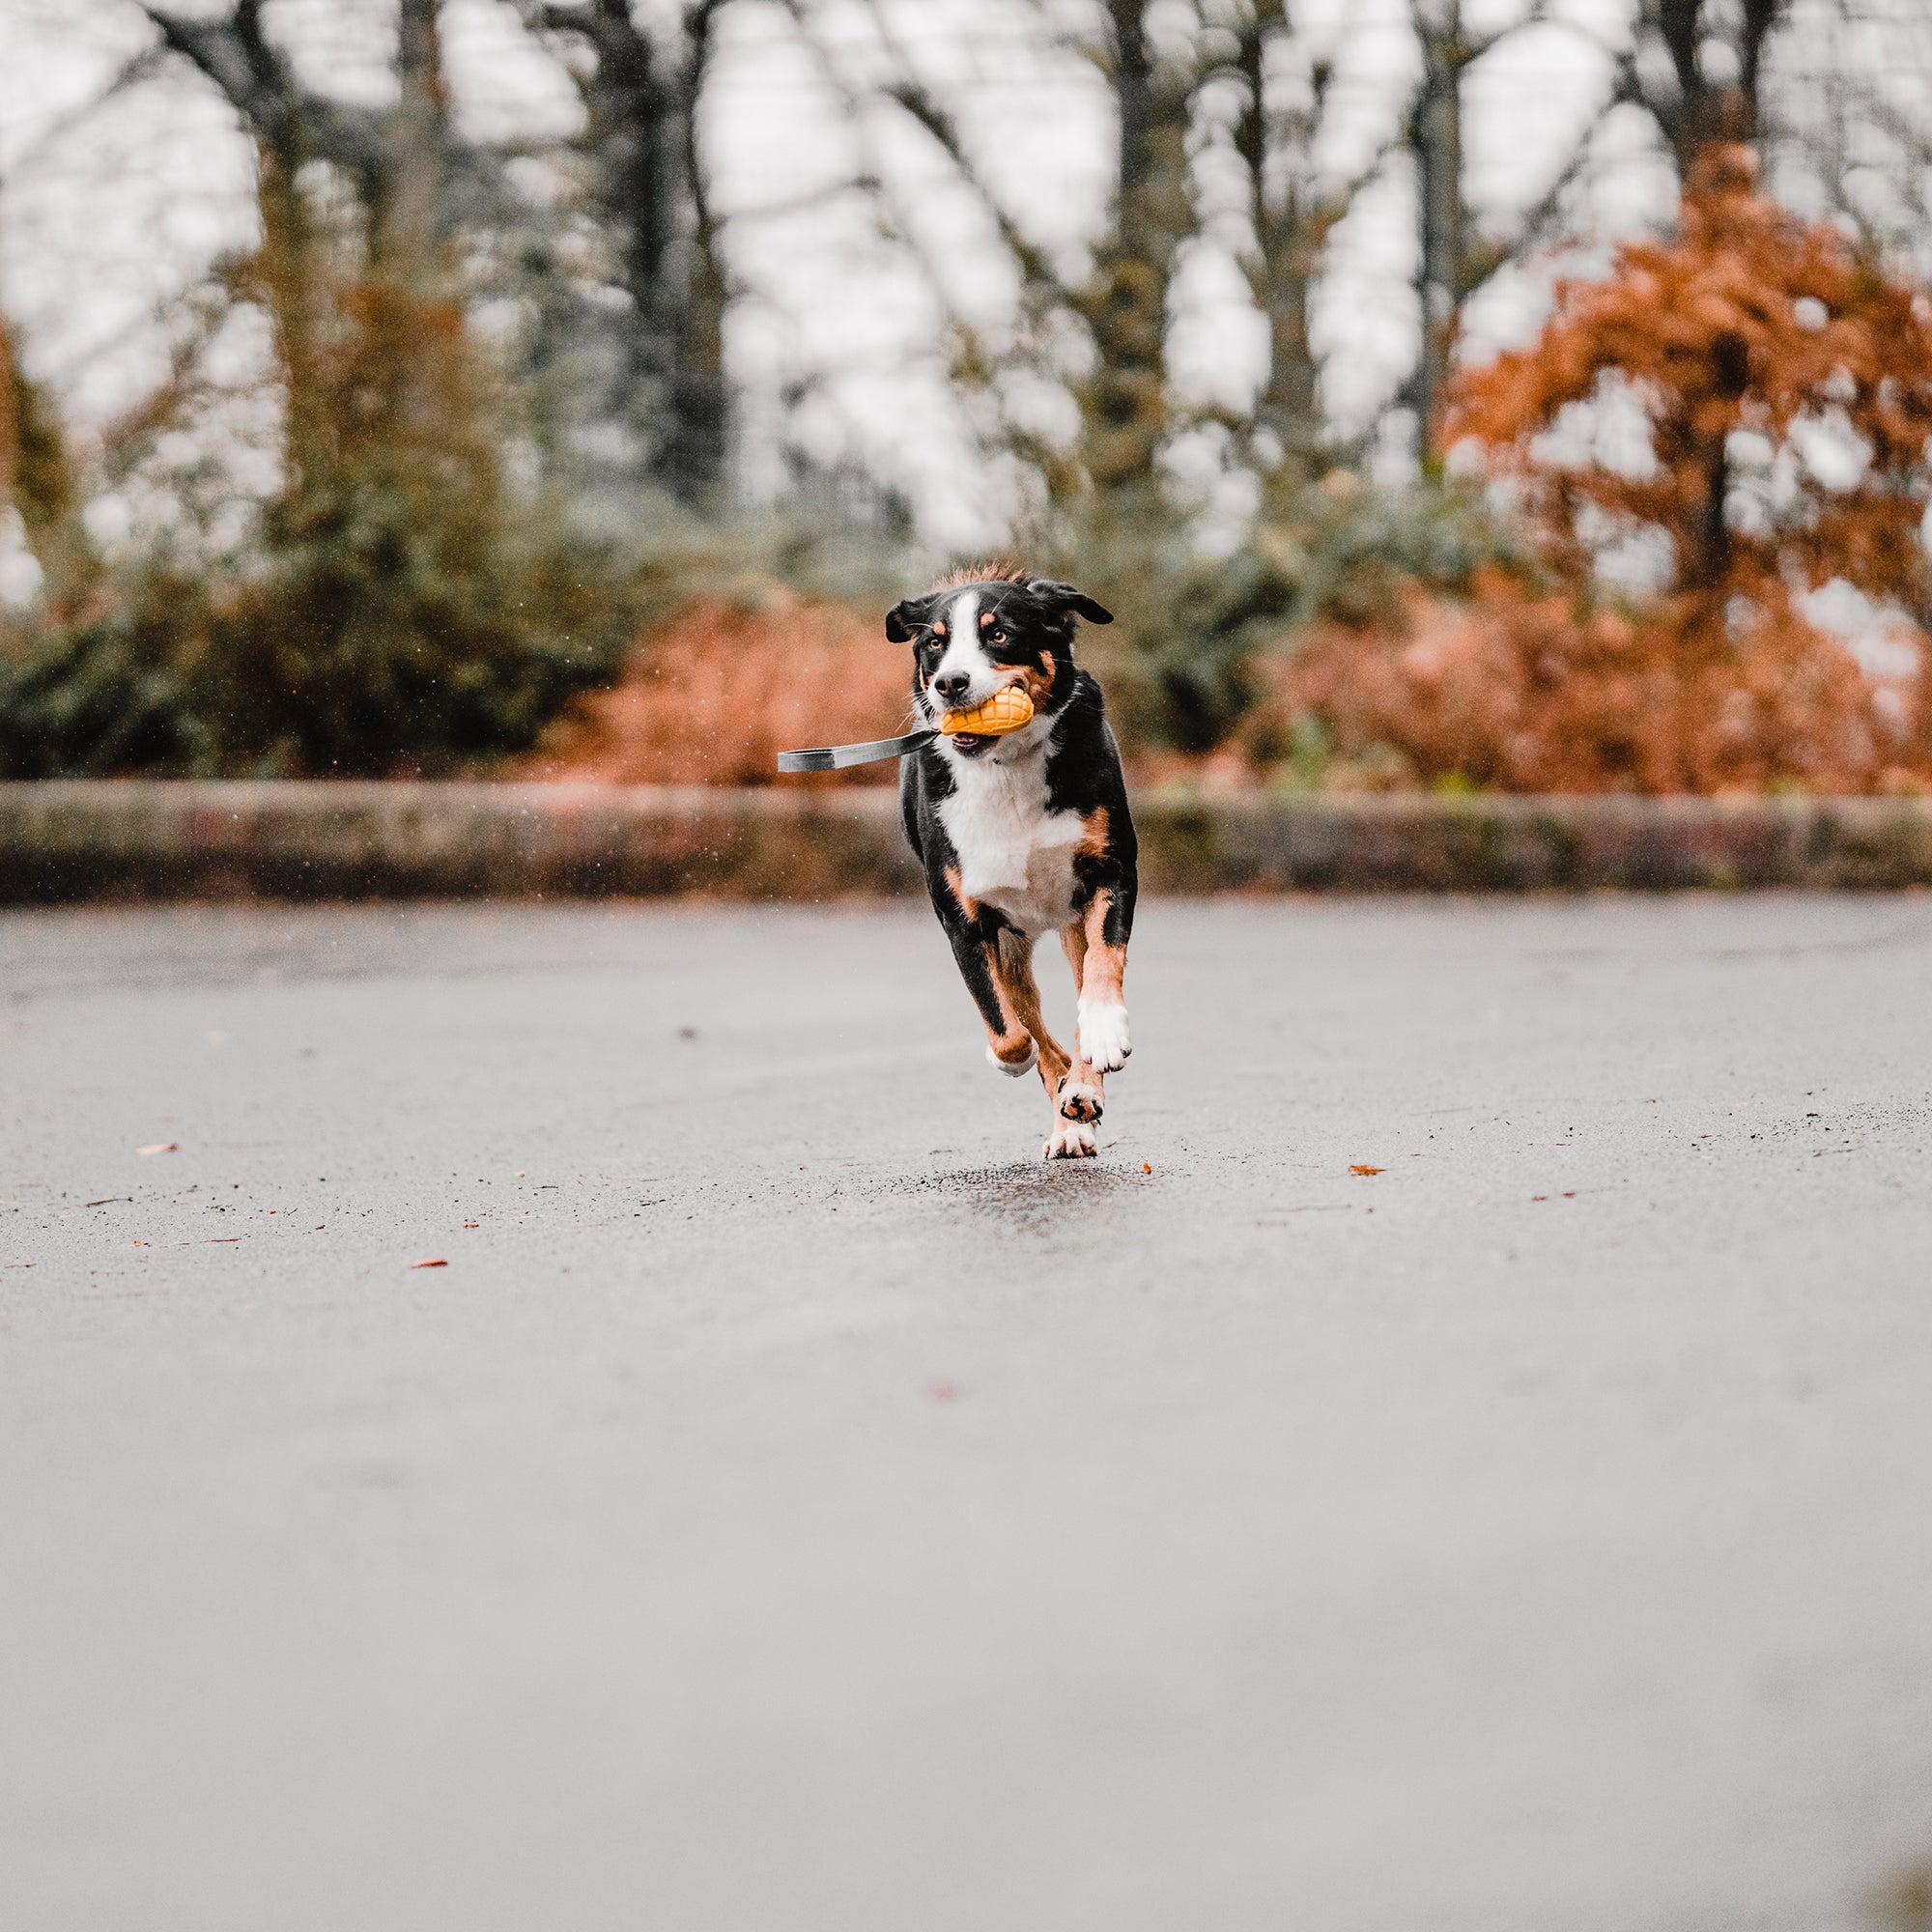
{"x": 429, "y": 1265}
{"x": 472, "y": 1224}
{"x": 162, "y": 1146}
{"x": 1362, "y": 1167}
{"x": 1146, "y": 1168}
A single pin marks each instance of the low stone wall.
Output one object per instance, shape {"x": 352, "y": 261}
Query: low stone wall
{"x": 79, "y": 840}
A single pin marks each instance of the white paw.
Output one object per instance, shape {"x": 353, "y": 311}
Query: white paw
{"x": 1069, "y": 1140}
{"x": 1104, "y": 1045}
{"x": 1077, "y": 1101}
{"x": 1015, "y": 1068}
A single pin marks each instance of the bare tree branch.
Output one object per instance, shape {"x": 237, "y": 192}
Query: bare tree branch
{"x": 911, "y": 98}
{"x": 131, "y": 71}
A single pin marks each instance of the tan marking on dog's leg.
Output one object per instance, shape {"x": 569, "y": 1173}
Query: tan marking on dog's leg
{"x": 1012, "y": 972}
{"x": 1103, "y": 966}
{"x": 1014, "y": 1048}
{"x": 1073, "y": 942}
{"x": 1102, "y": 1030}
{"x": 1010, "y": 1046}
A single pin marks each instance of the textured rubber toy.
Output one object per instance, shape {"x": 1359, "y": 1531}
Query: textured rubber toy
{"x": 1006, "y": 710}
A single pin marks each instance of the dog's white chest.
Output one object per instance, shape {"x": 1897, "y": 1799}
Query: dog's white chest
{"x": 1013, "y": 853}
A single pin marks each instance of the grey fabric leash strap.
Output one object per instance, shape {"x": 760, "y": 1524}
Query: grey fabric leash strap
{"x": 835, "y": 757}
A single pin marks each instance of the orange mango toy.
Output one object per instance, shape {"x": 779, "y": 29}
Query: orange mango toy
{"x": 1006, "y": 710}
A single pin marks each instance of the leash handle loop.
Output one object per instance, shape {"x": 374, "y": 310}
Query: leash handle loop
{"x": 835, "y": 757}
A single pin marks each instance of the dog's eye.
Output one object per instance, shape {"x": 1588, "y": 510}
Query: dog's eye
{"x": 998, "y": 637}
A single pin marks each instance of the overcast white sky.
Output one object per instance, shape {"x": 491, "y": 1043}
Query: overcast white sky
{"x": 105, "y": 218}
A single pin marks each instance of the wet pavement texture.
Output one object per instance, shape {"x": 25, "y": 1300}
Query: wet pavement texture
{"x": 793, "y": 1506}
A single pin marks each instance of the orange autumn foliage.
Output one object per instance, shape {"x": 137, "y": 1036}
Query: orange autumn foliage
{"x": 1525, "y": 692}
{"x": 1751, "y": 320}
{"x": 716, "y": 691}
{"x": 1785, "y": 384}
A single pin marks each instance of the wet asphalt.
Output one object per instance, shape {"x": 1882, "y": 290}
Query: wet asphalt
{"x": 794, "y": 1507}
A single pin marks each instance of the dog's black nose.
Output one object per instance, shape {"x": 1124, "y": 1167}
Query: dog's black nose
{"x": 953, "y": 686}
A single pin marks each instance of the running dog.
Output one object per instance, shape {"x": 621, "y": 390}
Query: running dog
{"x": 1027, "y": 833}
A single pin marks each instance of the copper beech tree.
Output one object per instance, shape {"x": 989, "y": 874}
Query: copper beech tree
{"x": 1784, "y": 382}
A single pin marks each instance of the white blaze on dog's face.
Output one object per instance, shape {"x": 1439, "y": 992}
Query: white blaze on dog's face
{"x": 964, "y": 676}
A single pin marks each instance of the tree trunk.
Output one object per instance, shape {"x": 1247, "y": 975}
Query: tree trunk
{"x": 1436, "y": 144}
{"x": 37, "y": 479}
{"x": 1123, "y": 403}
{"x": 405, "y": 217}
{"x": 1697, "y": 112}
{"x": 699, "y": 448}
{"x": 12, "y": 395}
{"x": 1292, "y": 223}
{"x": 642, "y": 133}
{"x": 282, "y": 120}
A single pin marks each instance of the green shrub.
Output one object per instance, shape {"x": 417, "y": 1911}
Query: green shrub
{"x": 396, "y": 611}
{"x": 1190, "y": 627}
{"x": 366, "y": 655}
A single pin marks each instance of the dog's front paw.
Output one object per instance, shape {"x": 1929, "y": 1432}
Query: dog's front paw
{"x": 1015, "y": 1068}
{"x": 1104, "y": 1045}
{"x": 1078, "y": 1101}
{"x": 1069, "y": 1140}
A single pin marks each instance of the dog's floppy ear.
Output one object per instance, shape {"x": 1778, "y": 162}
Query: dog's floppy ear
{"x": 1059, "y": 597}
{"x": 899, "y": 619}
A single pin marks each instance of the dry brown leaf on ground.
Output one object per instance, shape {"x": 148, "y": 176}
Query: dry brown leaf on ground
{"x": 1362, "y": 1167}
{"x": 429, "y": 1265}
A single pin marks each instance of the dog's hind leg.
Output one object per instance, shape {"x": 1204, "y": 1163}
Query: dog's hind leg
{"x": 1010, "y": 1043}
{"x": 974, "y": 940}
{"x": 1071, "y": 1137}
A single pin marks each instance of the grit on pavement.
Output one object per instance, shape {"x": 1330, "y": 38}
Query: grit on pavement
{"x": 1460, "y": 1459}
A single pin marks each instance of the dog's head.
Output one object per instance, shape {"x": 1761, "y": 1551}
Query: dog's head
{"x": 980, "y": 631}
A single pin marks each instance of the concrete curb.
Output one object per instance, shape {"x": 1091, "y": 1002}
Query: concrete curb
{"x": 72, "y": 840}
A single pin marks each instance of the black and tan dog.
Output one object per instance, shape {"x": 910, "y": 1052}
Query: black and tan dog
{"x": 1027, "y": 833}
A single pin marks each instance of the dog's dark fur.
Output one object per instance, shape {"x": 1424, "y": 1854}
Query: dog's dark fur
{"x": 1024, "y": 833}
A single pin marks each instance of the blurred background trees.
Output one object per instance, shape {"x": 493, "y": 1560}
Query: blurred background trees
{"x": 543, "y": 319}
